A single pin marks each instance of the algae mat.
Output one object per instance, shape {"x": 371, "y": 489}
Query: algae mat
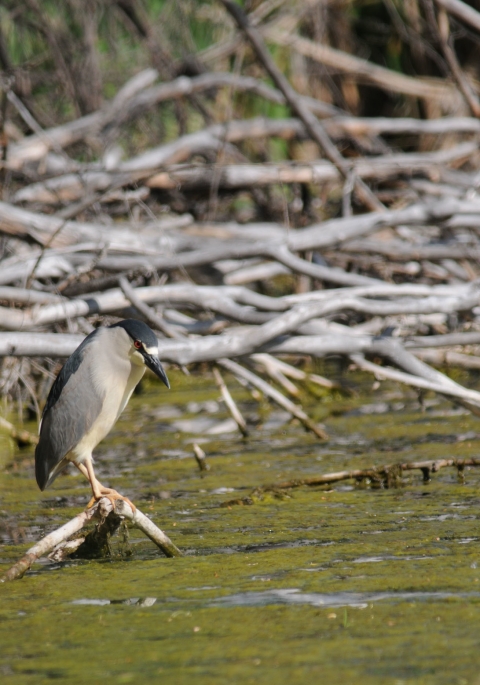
{"x": 335, "y": 585}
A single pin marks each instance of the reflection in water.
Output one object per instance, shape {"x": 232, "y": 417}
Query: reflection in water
{"x": 133, "y": 601}
{"x": 335, "y": 599}
{"x": 360, "y": 600}
{"x": 389, "y": 557}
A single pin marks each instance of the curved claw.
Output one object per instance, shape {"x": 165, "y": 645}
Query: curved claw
{"x": 112, "y": 495}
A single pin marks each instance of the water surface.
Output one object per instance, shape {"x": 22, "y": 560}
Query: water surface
{"x": 338, "y": 584}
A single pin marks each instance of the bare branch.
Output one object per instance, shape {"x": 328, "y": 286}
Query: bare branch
{"x": 462, "y": 11}
{"x": 230, "y": 403}
{"x": 312, "y": 124}
{"x": 386, "y": 474}
{"x": 275, "y": 395}
{"x": 100, "y": 510}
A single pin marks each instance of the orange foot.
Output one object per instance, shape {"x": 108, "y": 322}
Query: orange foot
{"x": 112, "y": 495}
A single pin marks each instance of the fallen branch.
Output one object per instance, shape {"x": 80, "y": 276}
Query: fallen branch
{"x": 276, "y": 372}
{"x": 188, "y": 177}
{"x": 462, "y": 11}
{"x": 364, "y": 71}
{"x": 99, "y": 511}
{"x": 447, "y": 357}
{"x": 147, "y": 526}
{"x": 152, "y": 317}
{"x": 386, "y": 474}
{"x": 273, "y": 394}
{"x": 21, "y": 437}
{"x": 125, "y": 108}
{"x": 292, "y": 372}
{"x": 470, "y": 397}
{"x": 443, "y": 33}
{"x": 200, "y": 457}
{"x": 311, "y": 123}
{"x": 230, "y": 403}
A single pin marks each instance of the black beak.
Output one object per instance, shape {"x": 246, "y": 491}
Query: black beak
{"x": 154, "y": 365}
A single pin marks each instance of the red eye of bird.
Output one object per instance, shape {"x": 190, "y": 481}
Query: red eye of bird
{"x": 137, "y": 344}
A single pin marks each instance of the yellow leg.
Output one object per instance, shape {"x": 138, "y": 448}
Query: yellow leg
{"x": 98, "y": 489}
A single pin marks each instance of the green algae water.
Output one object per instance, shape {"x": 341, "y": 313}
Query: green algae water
{"x": 338, "y": 584}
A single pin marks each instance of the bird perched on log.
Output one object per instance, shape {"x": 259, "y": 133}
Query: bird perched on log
{"x": 87, "y": 397}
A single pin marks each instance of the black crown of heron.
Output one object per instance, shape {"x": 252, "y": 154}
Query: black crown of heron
{"x": 89, "y": 394}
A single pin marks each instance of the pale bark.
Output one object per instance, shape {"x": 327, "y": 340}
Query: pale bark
{"x": 99, "y": 511}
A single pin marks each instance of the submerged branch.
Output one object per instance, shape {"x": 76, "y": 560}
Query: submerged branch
{"x": 386, "y": 475}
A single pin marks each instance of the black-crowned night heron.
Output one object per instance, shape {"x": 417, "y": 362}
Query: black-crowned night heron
{"x": 89, "y": 394}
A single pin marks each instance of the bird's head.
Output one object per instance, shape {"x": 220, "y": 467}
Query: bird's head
{"x": 144, "y": 347}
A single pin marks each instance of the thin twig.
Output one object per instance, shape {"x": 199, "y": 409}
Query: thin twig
{"x": 151, "y": 316}
{"x": 462, "y": 11}
{"x": 453, "y": 390}
{"x": 200, "y": 457}
{"x": 275, "y": 372}
{"x": 274, "y": 395}
{"x": 230, "y": 403}
{"x": 443, "y": 32}
{"x": 312, "y": 124}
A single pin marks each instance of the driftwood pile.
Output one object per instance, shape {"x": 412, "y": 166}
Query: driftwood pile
{"x": 393, "y": 277}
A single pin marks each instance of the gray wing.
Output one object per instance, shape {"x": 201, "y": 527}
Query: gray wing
{"x": 72, "y": 406}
